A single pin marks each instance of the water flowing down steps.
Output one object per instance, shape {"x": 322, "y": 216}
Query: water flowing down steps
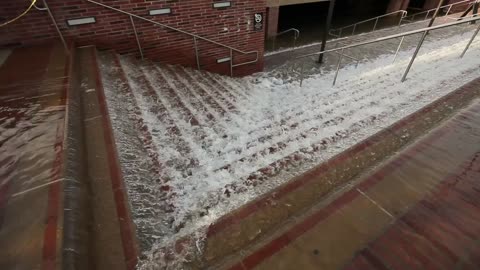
{"x": 194, "y": 146}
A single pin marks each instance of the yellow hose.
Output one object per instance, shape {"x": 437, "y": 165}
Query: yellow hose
{"x": 21, "y": 15}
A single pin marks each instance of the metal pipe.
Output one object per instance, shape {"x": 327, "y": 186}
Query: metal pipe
{"x": 348, "y": 56}
{"x": 448, "y": 11}
{"x": 197, "y": 57}
{"x": 375, "y": 25}
{"x": 177, "y": 30}
{"x": 302, "y": 67}
{"x": 231, "y": 62}
{"x": 414, "y": 55}
{"x": 374, "y": 18}
{"x": 328, "y": 24}
{"x": 436, "y": 13}
{"x": 398, "y": 49}
{"x": 470, "y": 42}
{"x": 401, "y": 19}
{"x": 56, "y": 26}
{"x": 354, "y": 28}
{"x": 136, "y": 37}
{"x": 338, "y": 67}
{"x": 409, "y": 33}
{"x": 430, "y": 10}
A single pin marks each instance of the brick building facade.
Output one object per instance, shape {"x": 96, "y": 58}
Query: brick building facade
{"x": 232, "y": 26}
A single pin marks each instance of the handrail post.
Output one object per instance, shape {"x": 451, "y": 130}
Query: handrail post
{"x": 401, "y": 19}
{"x": 338, "y": 67}
{"x": 197, "y": 57}
{"x": 375, "y": 25}
{"x": 470, "y": 42}
{"x": 136, "y": 37}
{"x": 302, "y": 67}
{"x": 231, "y": 63}
{"x": 414, "y": 55}
{"x": 398, "y": 49}
{"x": 295, "y": 37}
{"x": 180, "y": 31}
{"x": 449, "y": 8}
{"x": 56, "y": 27}
{"x": 340, "y": 33}
{"x": 354, "y": 28}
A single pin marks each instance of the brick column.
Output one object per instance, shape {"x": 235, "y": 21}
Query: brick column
{"x": 272, "y": 21}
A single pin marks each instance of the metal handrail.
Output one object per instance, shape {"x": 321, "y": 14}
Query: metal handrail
{"x": 340, "y": 30}
{"x": 194, "y": 36}
{"x": 401, "y": 35}
{"x": 434, "y": 9}
{"x": 296, "y": 34}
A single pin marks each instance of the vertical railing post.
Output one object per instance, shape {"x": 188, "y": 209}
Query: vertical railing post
{"x": 56, "y": 26}
{"x": 136, "y": 37}
{"x": 340, "y": 33}
{"x": 448, "y": 11}
{"x": 470, "y": 42}
{"x": 197, "y": 56}
{"x": 375, "y": 25}
{"x": 302, "y": 69}
{"x": 295, "y": 36}
{"x": 401, "y": 19}
{"x": 354, "y": 28}
{"x": 398, "y": 49}
{"x": 338, "y": 67}
{"x": 231, "y": 62}
{"x": 414, "y": 55}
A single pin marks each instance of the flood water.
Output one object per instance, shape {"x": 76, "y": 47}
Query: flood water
{"x": 419, "y": 210}
{"x": 32, "y": 114}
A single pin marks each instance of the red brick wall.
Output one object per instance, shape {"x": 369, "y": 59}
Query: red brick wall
{"x": 272, "y": 21}
{"x": 231, "y": 26}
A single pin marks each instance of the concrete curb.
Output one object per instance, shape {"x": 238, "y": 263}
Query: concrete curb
{"x": 76, "y": 209}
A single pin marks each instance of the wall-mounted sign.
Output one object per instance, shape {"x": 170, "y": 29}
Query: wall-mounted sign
{"x": 258, "y": 21}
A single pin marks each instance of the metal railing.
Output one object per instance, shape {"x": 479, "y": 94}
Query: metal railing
{"x": 296, "y": 35}
{"x": 401, "y": 35}
{"x": 194, "y": 37}
{"x": 376, "y": 19}
{"x": 52, "y": 18}
{"x": 411, "y": 18}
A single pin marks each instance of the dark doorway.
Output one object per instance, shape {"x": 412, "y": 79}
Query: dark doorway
{"x": 416, "y": 4}
{"x": 310, "y": 18}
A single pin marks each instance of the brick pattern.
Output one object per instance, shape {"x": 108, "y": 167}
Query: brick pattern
{"x": 231, "y": 26}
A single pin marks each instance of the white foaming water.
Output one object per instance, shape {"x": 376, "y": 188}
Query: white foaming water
{"x": 207, "y": 166}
